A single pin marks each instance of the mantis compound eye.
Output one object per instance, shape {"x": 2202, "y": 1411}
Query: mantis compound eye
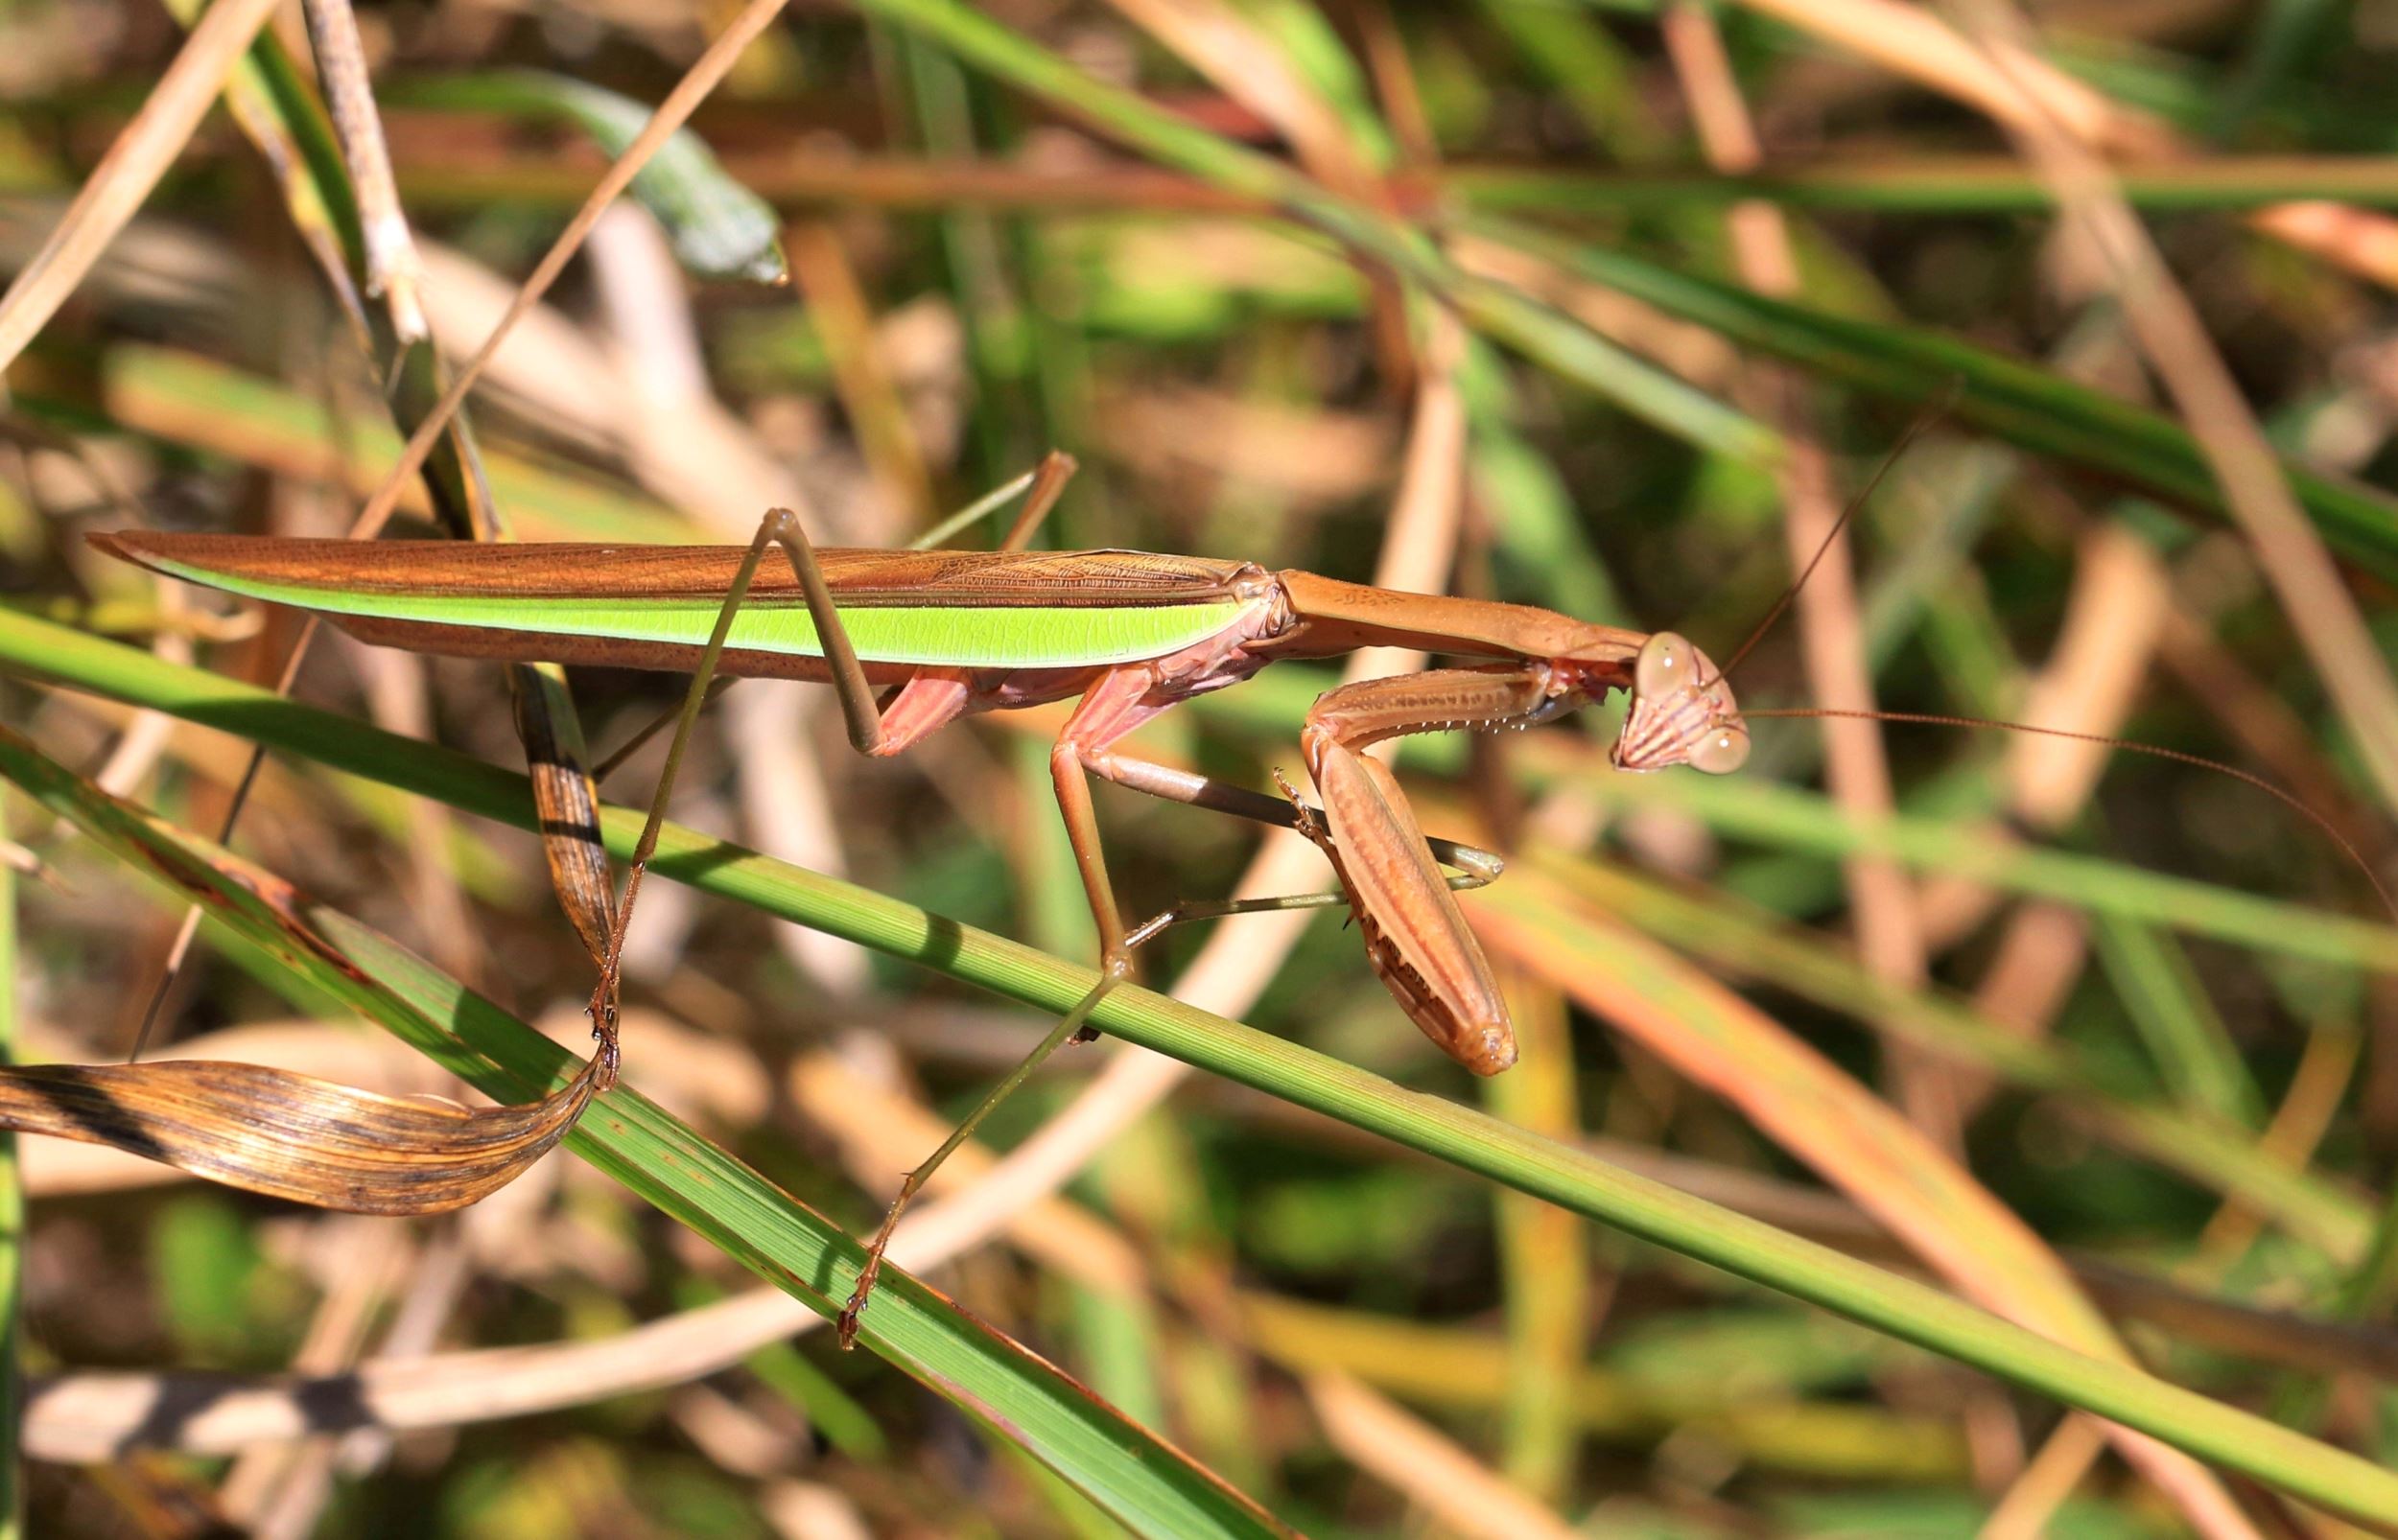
{"x": 1665, "y": 664}
{"x": 1724, "y": 750}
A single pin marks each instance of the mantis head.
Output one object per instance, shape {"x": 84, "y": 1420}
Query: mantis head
{"x": 1682, "y": 713}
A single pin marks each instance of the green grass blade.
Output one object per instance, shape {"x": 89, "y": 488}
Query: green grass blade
{"x": 1112, "y": 1459}
{"x": 719, "y": 228}
{"x": 11, "y": 1237}
{"x": 2193, "y": 1048}
{"x": 1557, "y": 340}
{"x": 2021, "y": 403}
{"x": 1458, "y": 1135}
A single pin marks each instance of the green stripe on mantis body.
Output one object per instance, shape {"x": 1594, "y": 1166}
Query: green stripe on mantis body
{"x": 961, "y": 636}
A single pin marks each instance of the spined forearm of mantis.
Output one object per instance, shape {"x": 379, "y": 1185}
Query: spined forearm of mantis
{"x": 911, "y": 641}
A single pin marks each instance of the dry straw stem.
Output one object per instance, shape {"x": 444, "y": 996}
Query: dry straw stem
{"x": 2021, "y": 90}
{"x": 1247, "y": 66}
{"x": 2041, "y": 1488}
{"x": 703, "y": 77}
{"x": 268, "y": 1489}
{"x": 1432, "y": 1469}
{"x": 879, "y": 1131}
{"x": 393, "y": 271}
{"x": 2174, "y": 338}
{"x": 844, "y": 320}
{"x": 1889, "y": 929}
{"x": 131, "y": 167}
{"x": 2114, "y": 614}
{"x": 1263, "y": 74}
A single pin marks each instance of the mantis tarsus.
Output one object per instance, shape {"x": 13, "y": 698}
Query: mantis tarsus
{"x": 944, "y": 634}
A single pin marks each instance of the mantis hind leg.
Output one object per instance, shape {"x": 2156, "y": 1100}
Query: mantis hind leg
{"x": 1041, "y": 487}
{"x": 1069, "y": 1028}
{"x": 860, "y": 712}
{"x": 778, "y": 524}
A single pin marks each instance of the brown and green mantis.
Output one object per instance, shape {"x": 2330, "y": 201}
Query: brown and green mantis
{"x": 913, "y": 639}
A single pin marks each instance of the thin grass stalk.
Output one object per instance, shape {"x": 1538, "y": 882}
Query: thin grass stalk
{"x": 671, "y": 113}
{"x": 435, "y": 178}
{"x": 11, "y": 1237}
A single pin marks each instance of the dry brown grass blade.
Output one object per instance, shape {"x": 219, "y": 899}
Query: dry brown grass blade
{"x": 258, "y": 1128}
{"x": 1908, "y": 40}
{"x": 1888, "y": 922}
{"x": 126, "y": 175}
{"x": 393, "y": 272}
{"x": 287, "y": 1135}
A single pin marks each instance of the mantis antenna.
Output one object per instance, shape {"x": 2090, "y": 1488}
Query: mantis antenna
{"x": 1936, "y": 409}
{"x": 2287, "y": 798}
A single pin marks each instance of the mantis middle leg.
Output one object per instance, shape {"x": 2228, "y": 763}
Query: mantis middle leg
{"x": 1115, "y": 705}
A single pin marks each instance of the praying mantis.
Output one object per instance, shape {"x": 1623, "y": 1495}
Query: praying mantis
{"x": 913, "y": 639}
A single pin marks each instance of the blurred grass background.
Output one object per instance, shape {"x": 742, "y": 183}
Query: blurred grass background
{"x": 1205, "y": 247}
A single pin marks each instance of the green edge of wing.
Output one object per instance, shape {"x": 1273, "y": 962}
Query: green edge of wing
{"x": 1012, "y": 637}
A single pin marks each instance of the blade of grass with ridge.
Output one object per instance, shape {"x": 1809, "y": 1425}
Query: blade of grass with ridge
{"x": 1144, "y": 1482}
{"x": 2328, "y": 1217}
{"x": 1455, "y": 1134}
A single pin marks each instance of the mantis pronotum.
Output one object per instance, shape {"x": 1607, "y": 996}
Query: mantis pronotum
{"x": 944, "y": 634}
